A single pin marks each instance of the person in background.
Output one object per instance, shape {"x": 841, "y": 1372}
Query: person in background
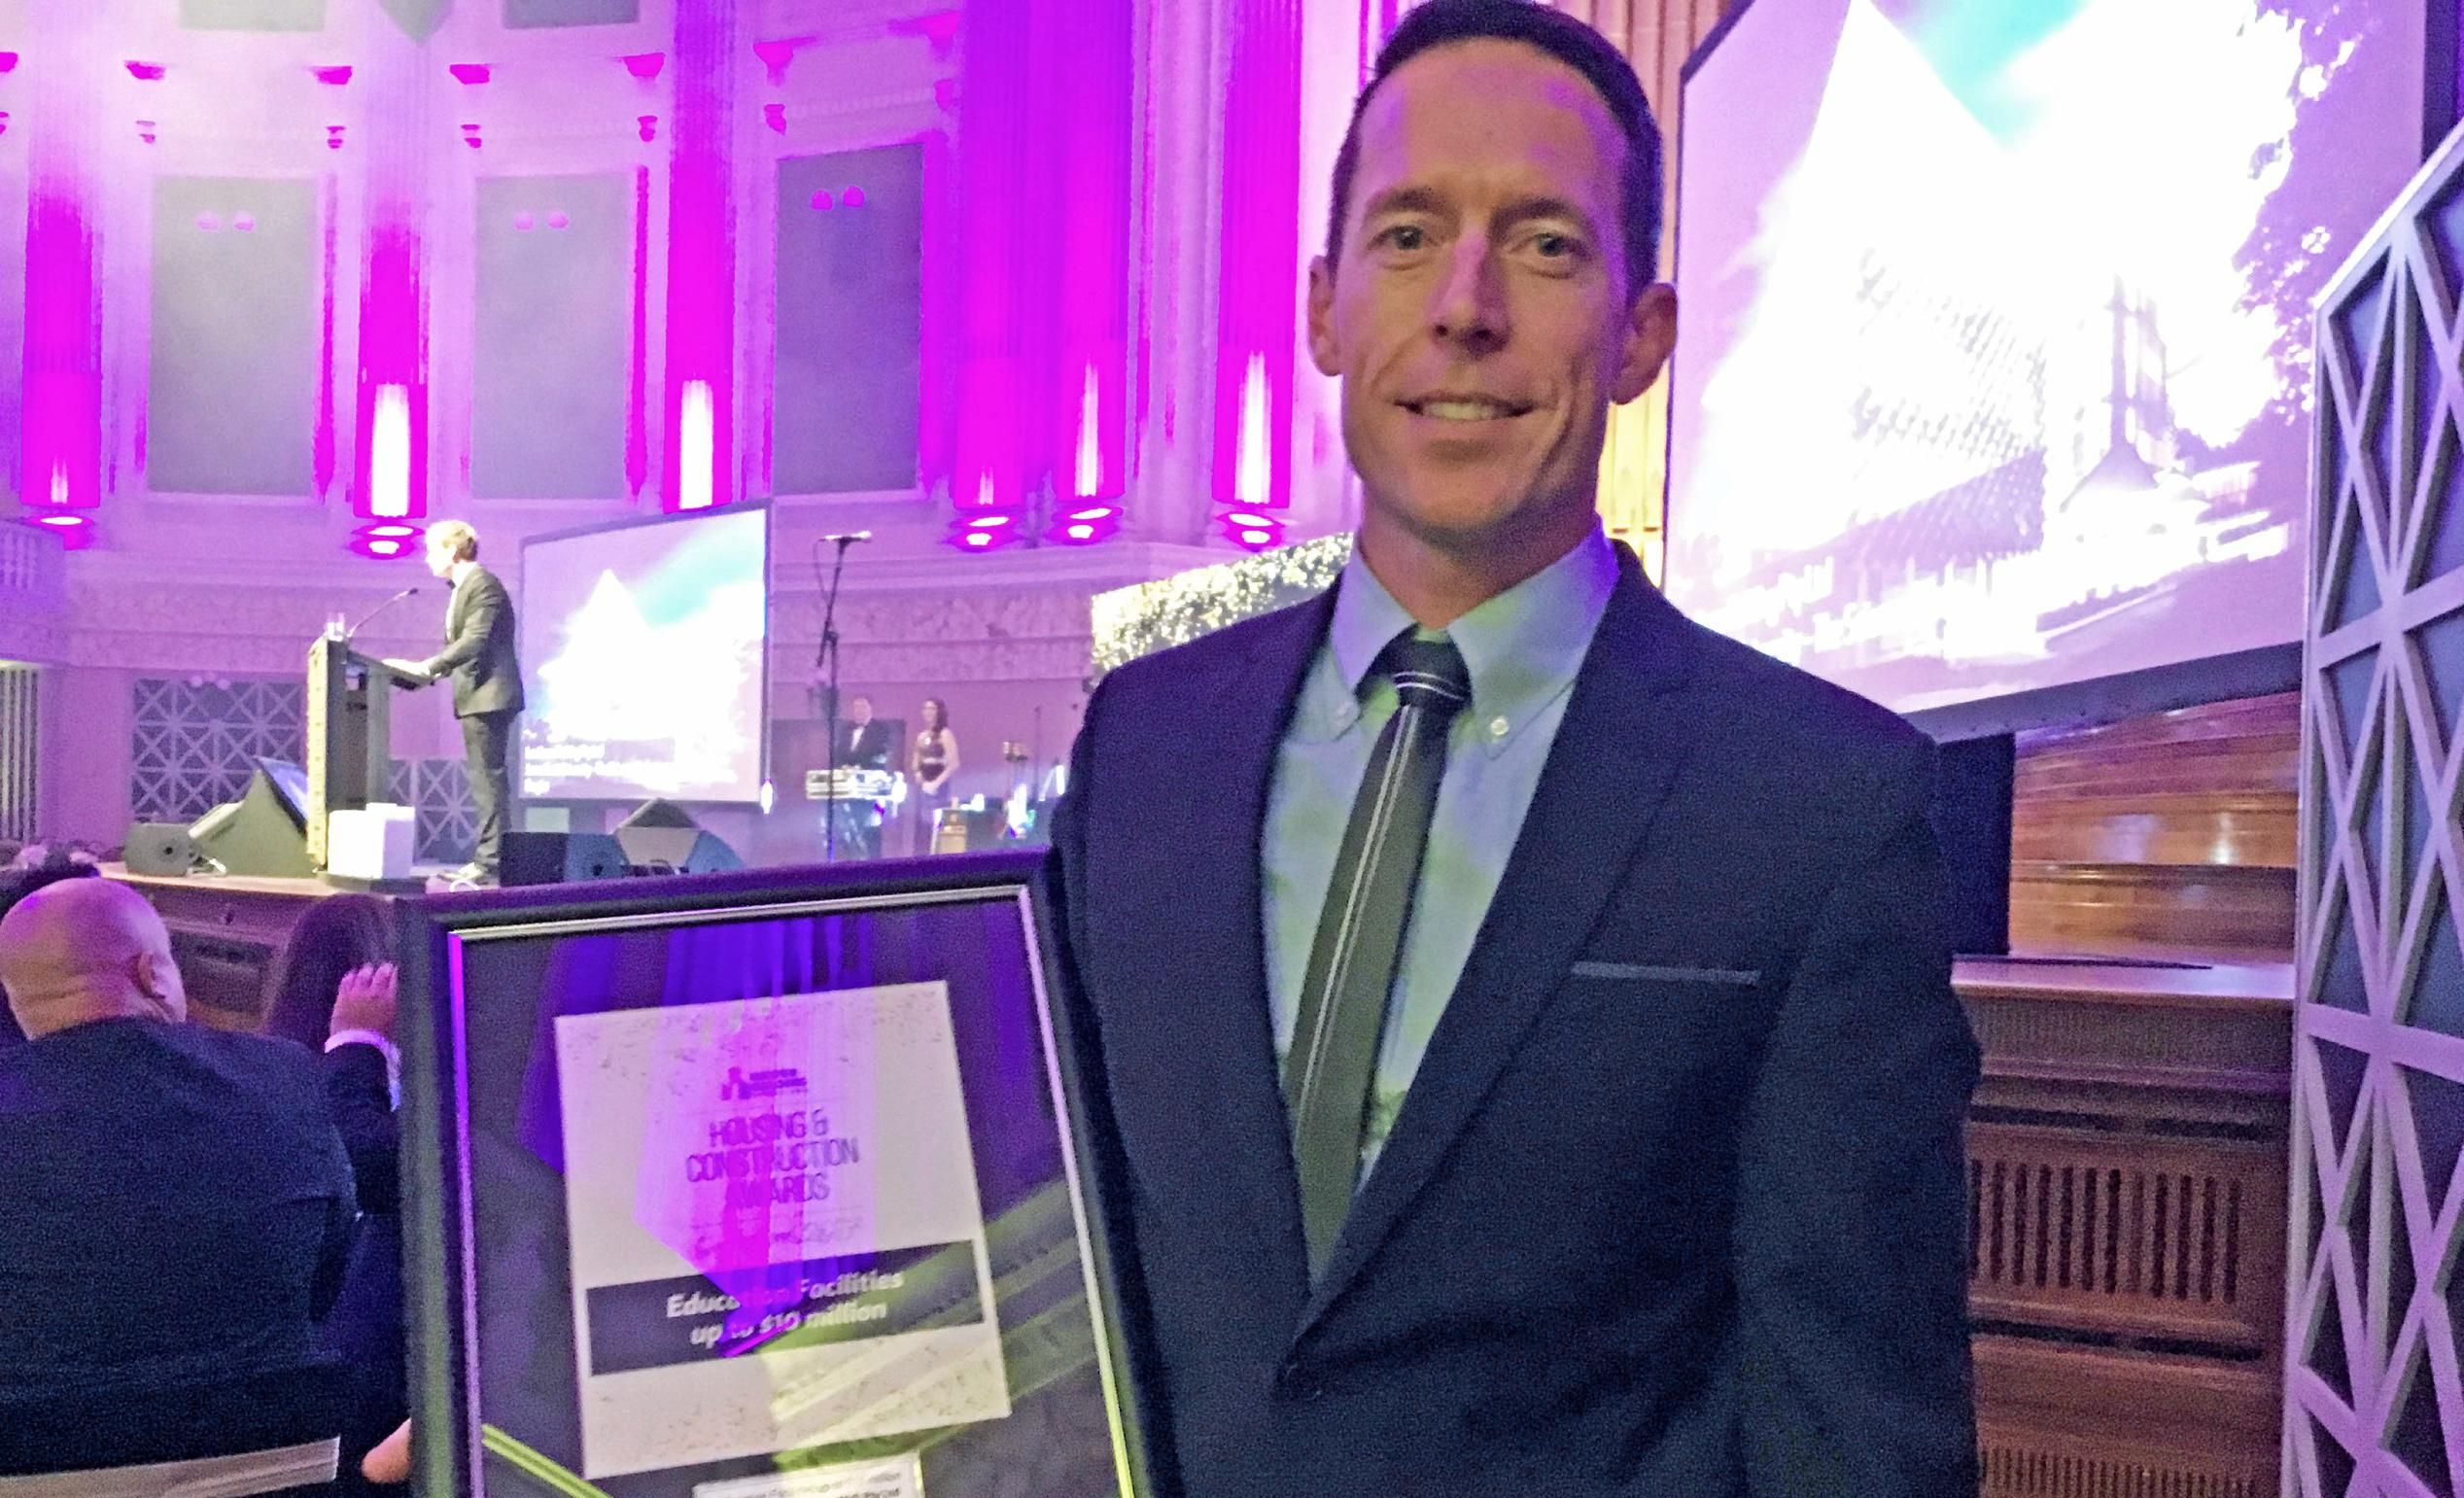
{"x": 334, "y": 993}
{"x": 932, "y": 759}
{"x": 864, "y": 742}
{"x": 487, "y": 677}
{"x": 179, "y": 1206}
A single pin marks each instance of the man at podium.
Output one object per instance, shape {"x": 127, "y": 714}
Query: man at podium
{"x": 487, "y": 682}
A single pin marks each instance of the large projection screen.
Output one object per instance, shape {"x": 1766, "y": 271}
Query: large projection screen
{"x": 1992, "y": 368}
{"x": 643, "y": 647}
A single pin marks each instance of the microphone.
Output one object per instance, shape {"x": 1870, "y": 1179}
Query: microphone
{"x": 849, "y": 538}
{"x": 379, "y": 608}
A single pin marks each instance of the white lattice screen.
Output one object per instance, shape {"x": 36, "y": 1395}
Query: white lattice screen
{"x": 2374, "y": 1401}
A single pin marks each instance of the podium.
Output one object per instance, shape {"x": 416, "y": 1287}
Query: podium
{"x": 350, "y": 739}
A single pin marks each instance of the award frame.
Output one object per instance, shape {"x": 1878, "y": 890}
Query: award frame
{"x": 481, "y": 1004}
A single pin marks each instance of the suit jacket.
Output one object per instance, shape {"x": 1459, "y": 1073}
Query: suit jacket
{"x": 865, "y": 747}
{"x": 366, "y": 1330}
{"x": 478, "y": 651}
{"x": 178, "y": 1210}
{"x": 1675, "y": 1203}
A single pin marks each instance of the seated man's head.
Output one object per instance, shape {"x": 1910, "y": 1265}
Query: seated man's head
{"x": 86, "y": 950}
{"x": 1489, "y": 287}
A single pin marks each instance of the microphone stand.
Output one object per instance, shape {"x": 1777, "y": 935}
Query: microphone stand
{"x": 828, "y": 661}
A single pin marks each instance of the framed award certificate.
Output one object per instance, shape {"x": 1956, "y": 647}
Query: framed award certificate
{"x": 787, "y": 1184}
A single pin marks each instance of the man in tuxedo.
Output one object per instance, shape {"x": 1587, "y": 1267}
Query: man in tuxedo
{"x": 864, "y": 742}
{"x": 487, "y": 682}
{"x": 179, "y": 1206}
{"x": 1558, "y": 1087}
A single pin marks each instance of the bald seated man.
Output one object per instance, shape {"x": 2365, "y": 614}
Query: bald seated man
{"x": 175, "y": 1206}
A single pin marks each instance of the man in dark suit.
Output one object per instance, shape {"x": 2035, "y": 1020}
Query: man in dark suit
{"x": 1556, "y": 1084}
{"x": 179, "y": 1205}
{"x": 864, "y": 741}
{"x": 487, "y": 680}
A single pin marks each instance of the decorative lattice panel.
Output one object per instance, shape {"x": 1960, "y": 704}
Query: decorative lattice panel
{"x": 196, "y": 743}
{"x": 448, "y": 821}
{"x": 2374, "y": 1403}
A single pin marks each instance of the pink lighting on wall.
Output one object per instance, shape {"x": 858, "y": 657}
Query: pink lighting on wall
{"x": 468, "y": 74}
{"x": 638, "y": 356}
{"x": 1257, "y": 316}
{"x": 699, "y": 462}
{"x": 386, "y": 542}
{"x": 644, "y": 65}
{"x": 74, "y": 532}
{"x": 332, "y": 77}
{"x": 647, "y": 126}
{"x": 61, "y": 438}
{"x": 8, "y": 62}
{"x": 333, "y": 138}
{"x": 1043, "y": 344}
{"x": 775, "y": 116}
{"x": 146, "y": 131}
{"x": 145, "y": 72}
{"x": 390, "y": 477}
{"x": 777, "y": 54}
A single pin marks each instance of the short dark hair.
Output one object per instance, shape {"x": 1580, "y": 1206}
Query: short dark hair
{"x": 1440, "y": 23}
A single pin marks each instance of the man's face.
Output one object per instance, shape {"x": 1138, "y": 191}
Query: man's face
{"x": 860, "y": 710}
{"x": 1481, "y": 315}
{"x": 440, "y": 557}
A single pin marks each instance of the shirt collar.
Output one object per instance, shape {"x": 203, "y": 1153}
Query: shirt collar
{"x": 1522, "y": 648}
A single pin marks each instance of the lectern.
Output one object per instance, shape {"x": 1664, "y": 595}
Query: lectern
{"x": 350, "y": 745}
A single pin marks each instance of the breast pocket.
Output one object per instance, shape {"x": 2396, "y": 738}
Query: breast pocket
{"x": 1662, "y": 972}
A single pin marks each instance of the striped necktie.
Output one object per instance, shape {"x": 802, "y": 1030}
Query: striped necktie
{"x": 1332, "y": 1066}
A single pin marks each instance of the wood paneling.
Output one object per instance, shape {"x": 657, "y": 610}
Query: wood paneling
{"x": 2170, "y": 833}
{"x": 2126, "y": 1225}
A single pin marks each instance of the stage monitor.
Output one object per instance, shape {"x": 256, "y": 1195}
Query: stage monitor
{"x": 1993, "y": 370}
{"x": 643, "y": 648}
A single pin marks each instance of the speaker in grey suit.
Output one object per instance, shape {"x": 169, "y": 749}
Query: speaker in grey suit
{"x": 478, "y": 659}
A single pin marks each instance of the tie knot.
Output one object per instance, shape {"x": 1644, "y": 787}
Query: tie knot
{"x": 1428, "y": 674}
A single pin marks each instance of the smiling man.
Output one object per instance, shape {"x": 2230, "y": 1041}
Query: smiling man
{"x": 1558, "y": 1087}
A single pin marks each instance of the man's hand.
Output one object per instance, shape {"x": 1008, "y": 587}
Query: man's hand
{"x": 415, "y": 672}
{"x": 365, "y": 1000}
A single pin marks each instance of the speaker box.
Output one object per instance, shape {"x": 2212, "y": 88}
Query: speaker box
{"x": 160, "y": 848}
{"x": 258, "y": 834}
{"x": 560, "y": 858}
{"x": 675, "y": 851}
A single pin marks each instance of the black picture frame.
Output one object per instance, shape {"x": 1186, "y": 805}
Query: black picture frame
{"x": 446, "y": 1201}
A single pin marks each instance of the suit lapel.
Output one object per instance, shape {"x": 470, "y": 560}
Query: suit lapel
{"x": 1230, "y": 1106}
{"x": 1616, "y": 751}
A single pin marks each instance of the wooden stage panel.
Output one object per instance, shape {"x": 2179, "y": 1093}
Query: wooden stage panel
{"x": 228, "y": 932}
{"x": 2127, "y": 1179}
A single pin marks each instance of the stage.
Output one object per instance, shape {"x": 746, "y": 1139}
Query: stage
{"x": 229, "y": 931}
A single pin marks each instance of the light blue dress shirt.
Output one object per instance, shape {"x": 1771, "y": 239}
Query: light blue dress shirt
{"x": 1523, "y": 649}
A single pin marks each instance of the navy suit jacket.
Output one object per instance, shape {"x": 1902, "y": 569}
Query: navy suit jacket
{"x": 1675, "y": 1203}
{"x": 178, "y": 1213}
